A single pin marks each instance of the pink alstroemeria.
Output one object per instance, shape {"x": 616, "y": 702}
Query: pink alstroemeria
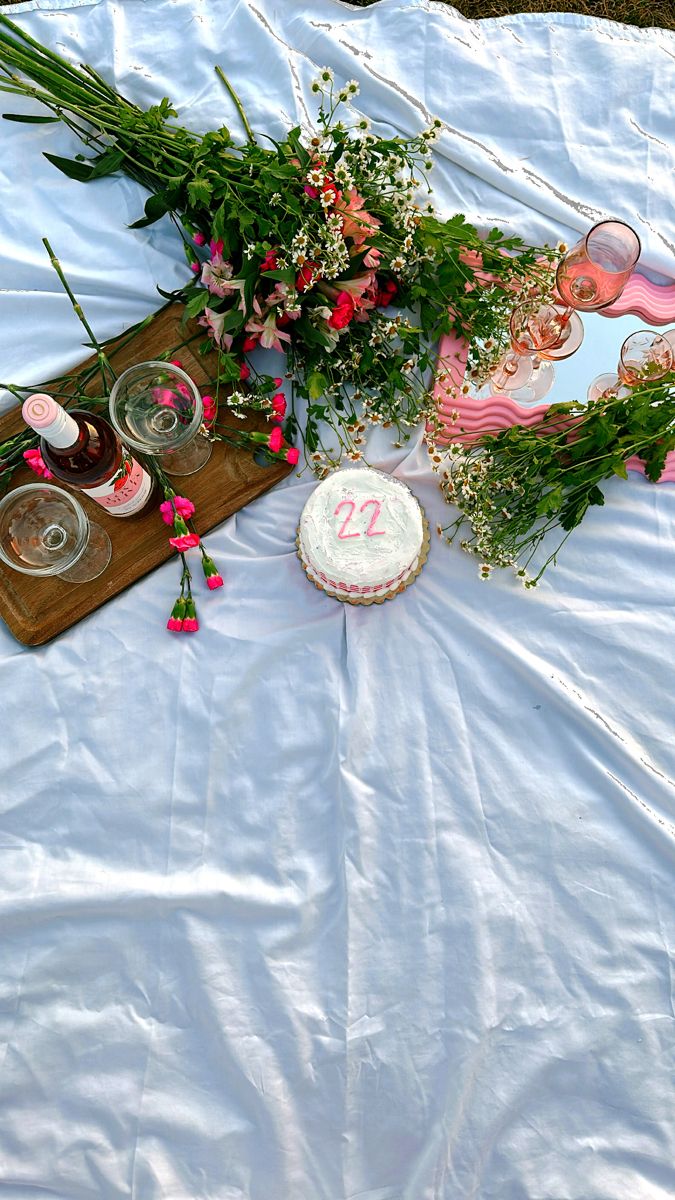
{"x": 269, "y": 333}
{"x": 185, "y": 542}
{"x": 214, "y": 321}
{"x": 35, "y": 461}
{"x": 357, "y": 223}
{"x": 355, "y": 288}
{"x": 372, "y": 258}
{"x": 216, "y": 276}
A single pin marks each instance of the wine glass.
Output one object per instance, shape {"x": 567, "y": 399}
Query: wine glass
{"x": 645, "y": 356}
{"x": 595, "y": 271}
{"x": 157, "y": 409}
{"x": 45, "y": 531}
{"x": 538, "y": 332}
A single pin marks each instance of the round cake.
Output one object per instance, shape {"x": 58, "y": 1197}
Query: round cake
{"x": 362, "y": 536}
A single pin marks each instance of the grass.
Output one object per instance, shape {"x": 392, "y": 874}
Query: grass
{"x": 645, "y": 13}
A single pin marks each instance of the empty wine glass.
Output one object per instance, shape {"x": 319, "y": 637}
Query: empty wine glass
{"x": 645, "y": 356}
{"x": 157, "y": 409}
{"x": 45, "y": 531}
{"x": 595, "y": 271}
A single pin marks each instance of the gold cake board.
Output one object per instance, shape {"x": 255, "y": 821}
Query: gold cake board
{"x": 363, "y": 600}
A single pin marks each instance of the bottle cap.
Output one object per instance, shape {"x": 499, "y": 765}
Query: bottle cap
{"x": 40, "y": 410}
{"x": 48, "y": 418}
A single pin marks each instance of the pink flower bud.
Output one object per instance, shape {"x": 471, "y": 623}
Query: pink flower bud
{"x": 196, "y": 267}
{"x": 190, "y": 625}
{"x": 292, "y": 455}
{"x": 199, "y": 239}
{"x": 175, "y": 362}
{"x": 278, "y": 381}
{"x": 174, "y": 624}
{"x": 244, "y": 371}
{"x": 214, "y": 581}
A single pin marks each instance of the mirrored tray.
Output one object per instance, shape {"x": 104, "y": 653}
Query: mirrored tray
{"x": 642, "y": 305}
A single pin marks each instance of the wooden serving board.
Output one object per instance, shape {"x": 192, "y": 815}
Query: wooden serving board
{"x": 37, "y": 610}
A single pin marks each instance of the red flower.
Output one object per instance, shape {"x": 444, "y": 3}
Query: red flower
{"x": 307, "y": 275}
{"x": 385, "y": 294}
{"x": 343, "y": 311}
{"x": 279, "y": 404}
{"x": 275, "y": 440}
{"x": 250, "y": 343}
{"x": 269, "y": 263}
{"x": 244, "y": 371}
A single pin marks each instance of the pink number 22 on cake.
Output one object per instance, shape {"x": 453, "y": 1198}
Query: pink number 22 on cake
{"x": 363, "y": 536}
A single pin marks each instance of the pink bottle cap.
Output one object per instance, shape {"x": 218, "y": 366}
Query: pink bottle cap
{"x": 40, "y": 411}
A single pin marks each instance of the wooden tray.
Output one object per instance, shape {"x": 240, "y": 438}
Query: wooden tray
{"x": 36, "y": 610}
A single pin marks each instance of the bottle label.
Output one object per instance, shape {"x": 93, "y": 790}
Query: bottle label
{"x": 126, "y": 492}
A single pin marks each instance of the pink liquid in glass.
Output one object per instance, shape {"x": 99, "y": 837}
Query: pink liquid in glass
{"x": 594, "y": 273}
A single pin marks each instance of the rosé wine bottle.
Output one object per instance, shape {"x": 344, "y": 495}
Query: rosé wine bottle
{"x": 81, "y": 449}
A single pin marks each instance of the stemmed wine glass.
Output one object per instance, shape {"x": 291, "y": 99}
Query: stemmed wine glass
{"x": 538, "y": 334}
{"x": 156, "y": 409}
{"x": 45, "y": 531}
{"x": 645, "y": 356}
{"x": 595, "y": 271}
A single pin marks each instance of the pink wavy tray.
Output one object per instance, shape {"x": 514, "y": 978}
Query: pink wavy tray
{"x": 465, "y": 419}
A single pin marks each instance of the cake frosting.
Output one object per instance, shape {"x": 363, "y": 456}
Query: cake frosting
{"x": 361, "y": 533}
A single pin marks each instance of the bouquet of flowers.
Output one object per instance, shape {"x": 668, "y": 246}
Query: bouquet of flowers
{"x": 320, "y": 246}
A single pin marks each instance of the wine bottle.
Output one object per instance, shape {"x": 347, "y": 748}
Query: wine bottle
{"x": 81, "y": 449}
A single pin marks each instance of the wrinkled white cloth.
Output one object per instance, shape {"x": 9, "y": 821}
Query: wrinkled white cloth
{"x": 331, "y": 902}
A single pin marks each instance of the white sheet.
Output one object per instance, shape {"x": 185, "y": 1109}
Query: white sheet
{"x": 329, "y": 902}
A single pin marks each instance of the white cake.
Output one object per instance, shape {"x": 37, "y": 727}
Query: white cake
{"x": 362, "y": 535}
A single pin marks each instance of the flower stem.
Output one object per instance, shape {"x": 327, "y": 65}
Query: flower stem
{"x": 237, "y": 102}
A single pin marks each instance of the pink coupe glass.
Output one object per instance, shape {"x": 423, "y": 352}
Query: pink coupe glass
{"x": 594, "y": 273}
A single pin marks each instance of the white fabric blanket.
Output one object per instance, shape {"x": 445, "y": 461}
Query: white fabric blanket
{"x": 328, "y": 902}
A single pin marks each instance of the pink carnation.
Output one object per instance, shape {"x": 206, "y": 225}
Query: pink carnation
{"x": 214, "y": 581}
{"x": 185, "y": 542}
{"x": 174, "y": 624}
{"x": 184, "y": 507}
{"x": 292, "y": 455}
{"x": 36, "y": 463}
{"x": 190, "y": 624}
{"x": 275, "y": 440}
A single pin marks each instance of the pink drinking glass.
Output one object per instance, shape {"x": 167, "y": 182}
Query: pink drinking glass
{"x": 594, "y": 273}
